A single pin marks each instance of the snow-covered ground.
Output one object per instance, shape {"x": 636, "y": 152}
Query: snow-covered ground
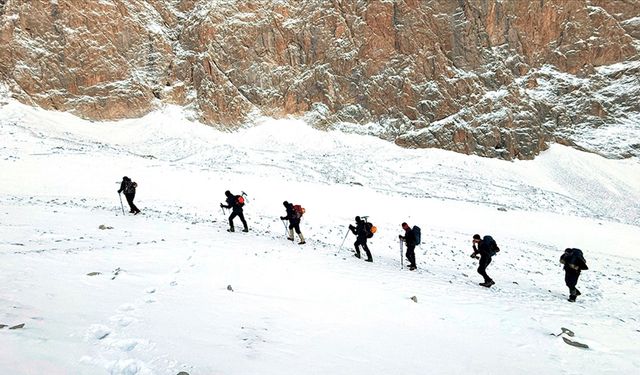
{"x": 150, "y": 296}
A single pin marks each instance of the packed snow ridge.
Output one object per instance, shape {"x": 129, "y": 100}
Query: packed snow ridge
{"x": 88, "y": 290}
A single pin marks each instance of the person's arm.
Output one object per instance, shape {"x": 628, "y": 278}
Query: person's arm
{"x": 475, "y": 251}
{"x": 225, "y": 205}
{"x": 121, "y": 187}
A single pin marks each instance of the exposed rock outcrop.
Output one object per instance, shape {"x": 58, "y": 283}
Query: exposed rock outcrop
{"x": 496, "y": 78}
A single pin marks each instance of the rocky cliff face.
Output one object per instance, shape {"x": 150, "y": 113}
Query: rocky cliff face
{"x": 498, "y": 78}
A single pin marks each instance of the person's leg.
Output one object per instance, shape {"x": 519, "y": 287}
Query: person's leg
{"x": 231, "y": 217}
{"x": 482, "y": 269}
{"x": 357, "y": 247}
{"x": 129, "y": 198}
{"x": 411, "y": 256}
{"x": 244, "y": 222}
{"x": 571, "y": 279}
{"x": 297, "y": 228}
{"x": 366, "y": 250}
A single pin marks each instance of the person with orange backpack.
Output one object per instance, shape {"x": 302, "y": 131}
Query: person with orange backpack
{"x": 235, "y": 203}
{"x": 294, "y": 214}
{"x": 362, "y": 230}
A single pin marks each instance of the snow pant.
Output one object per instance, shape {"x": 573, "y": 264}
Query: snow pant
{"x": 130, "y": 197}
{"x": 571, "y": 279}
{"x": 482, "y": 268}
{"x": 411, "y": 255}
{"x": 241, "y": 216}
{"x": 294, "y": 224}
{"x": 362, "y": 241}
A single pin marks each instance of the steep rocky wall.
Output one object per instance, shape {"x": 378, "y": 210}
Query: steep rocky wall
{"x": 496, "y": 78}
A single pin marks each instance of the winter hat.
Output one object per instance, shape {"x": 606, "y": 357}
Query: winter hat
{"x": 285, "y": 203}
{"x": 476, "y": 236}
{"x": 227, "y": 193}
{"x": 357, "y": 219}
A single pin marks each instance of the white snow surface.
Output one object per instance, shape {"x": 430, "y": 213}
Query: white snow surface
{"x": 150, "y": 295}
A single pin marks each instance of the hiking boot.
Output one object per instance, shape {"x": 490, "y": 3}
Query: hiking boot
{"x": 290, "y": 239}
{"x": 578, "y": 292}
{"x": 137, "y": 212}
{"x": 572, "y": 298}
{"x": 302, "y": 242}
{"x": 231, "y": 230}
{"x": 369, "y": 260}
{"x": 487, "y": 284}
{"x": 412, "y": 268}
{"x": 357, "y": 255}
{"x": 245, "y": 230}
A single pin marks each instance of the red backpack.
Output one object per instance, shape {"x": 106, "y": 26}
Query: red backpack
{"x": 299, "y": 210}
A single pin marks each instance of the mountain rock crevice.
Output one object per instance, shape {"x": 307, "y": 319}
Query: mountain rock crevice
{"x": 496, "y": 78}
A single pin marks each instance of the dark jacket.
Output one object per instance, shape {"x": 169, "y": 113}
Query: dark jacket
{"x": 292, "y": 215}
{"x": 573, "y": 260}
{"x": 359, "y": 230}
{"x": 487, "y": 247}
{"x": 127, "y": 186}
{"x": 232, "y": 203}
{"x": 409, "y": 237}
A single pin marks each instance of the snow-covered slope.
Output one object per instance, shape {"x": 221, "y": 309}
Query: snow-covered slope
{"x": 159, "y": 303}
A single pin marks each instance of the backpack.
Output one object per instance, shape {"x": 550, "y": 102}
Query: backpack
{"x": 576, "y": 259}
{"x": 130, "y": 187}
{"x": 493, "y": 246}
{"x": 298, "y": 211}
{"x": 239, "y": 200}
{"x": 416, "y": 232}
{"x": 370, "y": 229}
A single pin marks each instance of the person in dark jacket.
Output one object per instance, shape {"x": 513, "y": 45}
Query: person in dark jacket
{"x": 410, "y": 239}
{"x": 294, "y": 222}
{"x": 236, "y": 210}
{"x": 129, "y": 188}
{"x": 360, "y": 231}
{"x": 487, "y": 248}
{"x": 574, "y": 262}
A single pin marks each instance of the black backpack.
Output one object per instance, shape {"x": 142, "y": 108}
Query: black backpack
{"x": 493, "y": 246}
{"x": 416, "y": 232}
{"x": 576, "y": 258}
{"x": 370, "y": 229}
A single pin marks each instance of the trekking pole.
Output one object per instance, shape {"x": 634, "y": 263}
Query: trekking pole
{"x": 121, "y": 205}
{"x": 223, "y": 213}
{"x": 285, "y": 227}
{"x": 401, "y": 257}
{"x": 345, "y": 238}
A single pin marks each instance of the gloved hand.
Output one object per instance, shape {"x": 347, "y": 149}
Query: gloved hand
{"x": 400, "y": 237}
{"x": 282, "y": 217}
{"x": 351, "y": 226}
{"x": 221, "y": 205}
